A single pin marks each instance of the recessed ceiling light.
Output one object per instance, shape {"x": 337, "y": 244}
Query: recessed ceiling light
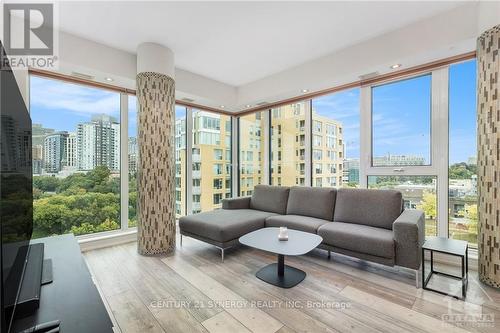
{"x": 248, "y": 105}
{"x": 395, "y": 66}
{"x": 222, "y": 106}
{"x": 108, "y": 79}
{"x": 305, "y": 90}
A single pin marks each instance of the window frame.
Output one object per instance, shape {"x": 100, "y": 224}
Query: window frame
{"x": 439, "y": 139}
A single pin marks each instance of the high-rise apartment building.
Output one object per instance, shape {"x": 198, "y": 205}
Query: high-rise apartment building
{"x": 211, "y": 156}
{"x": 37, "y": 156}
{"x": 351, "y": 171}
{"x": 38, "y": 140}
{"x": 71, "y": 150}
{"x": 211, "y": 161}
{"x": 98, "y": 143}
{"x": 327, "y": 152}
{"x": 288, "y": 147}
{"x": 132, "y": 155}
{"x": 54, "y": 151}
{"x": 37, "y": 152}
{"x": 252, "y": 152}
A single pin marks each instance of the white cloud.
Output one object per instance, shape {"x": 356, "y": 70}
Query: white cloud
{"x": 57, "y": 96}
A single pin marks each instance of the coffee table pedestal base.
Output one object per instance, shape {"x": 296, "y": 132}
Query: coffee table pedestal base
{"x": 280, "y": 275}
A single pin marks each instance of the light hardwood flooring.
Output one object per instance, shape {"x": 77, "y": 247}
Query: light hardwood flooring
{"x": 193, "y": 291}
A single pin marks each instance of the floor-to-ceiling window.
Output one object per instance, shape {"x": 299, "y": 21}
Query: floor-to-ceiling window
{"x": 251, "y": 152}
{"x": 401, "y": 144}
{"x": 76, "y": 157}
{"x": 462, "y": 152}
{"x": 288, "y": 144}
{"x": 335, "y": 139}
{"x": 211, "y": 160}
{"x": 390, "y": 134}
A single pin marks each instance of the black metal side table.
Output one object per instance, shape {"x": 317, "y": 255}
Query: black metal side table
{"x": 447, "y": 246}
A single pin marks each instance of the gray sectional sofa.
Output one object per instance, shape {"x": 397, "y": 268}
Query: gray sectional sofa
{"x": 367, "y": 224}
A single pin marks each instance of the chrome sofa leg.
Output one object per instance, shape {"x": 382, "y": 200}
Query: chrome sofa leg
{"x": 181, "y": 240}
{"x": 329, "y": 254}
{"x": 222, "y": 254}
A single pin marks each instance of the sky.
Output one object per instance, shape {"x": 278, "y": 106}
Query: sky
{"x": 401, "y": 117}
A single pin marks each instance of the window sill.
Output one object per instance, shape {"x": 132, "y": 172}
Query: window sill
{"x": 106, "y": 239}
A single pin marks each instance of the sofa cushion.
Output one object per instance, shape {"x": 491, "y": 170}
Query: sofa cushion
{"x": 297, "y": 222}
{"x": 223, "y": 225}
{"x": 270, "y": 198}
{"x": 376, "y": 208}
{"x": 311, "y": 201}
{"x": 358, "y": 238}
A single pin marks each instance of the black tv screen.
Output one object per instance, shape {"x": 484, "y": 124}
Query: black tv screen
{"x": 16, "y": 205}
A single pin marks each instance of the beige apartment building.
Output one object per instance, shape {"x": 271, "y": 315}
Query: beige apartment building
{"x": 211, "y": 154}
{"x": 211, "y": 162}
{"x": 288, "y": 147}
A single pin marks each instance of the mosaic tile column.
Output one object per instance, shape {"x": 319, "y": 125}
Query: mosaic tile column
{"x": 488, "y": 62}
{"x": 156, "y": 164}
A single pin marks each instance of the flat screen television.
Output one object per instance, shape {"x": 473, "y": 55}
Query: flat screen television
{"x": 16, "y": 205}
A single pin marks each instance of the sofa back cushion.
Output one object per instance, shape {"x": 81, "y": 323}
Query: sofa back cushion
{"x": 270, "y": 198}
{"x": 376, "y": 208}
{"x": 312, "y": 201}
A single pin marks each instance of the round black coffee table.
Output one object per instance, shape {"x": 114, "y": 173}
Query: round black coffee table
{"x": 298, "y": 243}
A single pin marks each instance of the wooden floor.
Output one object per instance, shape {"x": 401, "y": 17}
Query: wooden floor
{"x": 193, "y": 291}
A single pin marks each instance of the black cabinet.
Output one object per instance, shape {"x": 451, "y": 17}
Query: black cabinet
{"x": 72, "y": 297}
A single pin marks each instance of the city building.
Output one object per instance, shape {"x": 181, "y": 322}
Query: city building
{"x": 54, "y": 151}
{"x": 132, "y": 155}
{"x": 351, "y": 171}
{"x": 398, "y": 160}
{"x": 71, "y": 151}
{"x": 98, "y": 143}
{"x": 252, "y": 152}
{"x": 37, "y": 155}
{"x": 288, "y": 147}
{"x": 211, "y": 161}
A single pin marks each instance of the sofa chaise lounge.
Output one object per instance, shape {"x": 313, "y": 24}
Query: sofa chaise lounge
{"x": 367, "y": 224}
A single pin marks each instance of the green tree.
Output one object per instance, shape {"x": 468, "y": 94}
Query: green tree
{"x": 428, "y": 204}
{"x": 462, "y": 171}
{"x": 46, "y": 183}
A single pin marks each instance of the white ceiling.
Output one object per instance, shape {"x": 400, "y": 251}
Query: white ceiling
{"x": 240, "y": 42}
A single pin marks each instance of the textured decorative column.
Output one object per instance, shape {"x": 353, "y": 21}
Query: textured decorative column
{"x": 156, "y": 141}
{"x": 488, "y": 88}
